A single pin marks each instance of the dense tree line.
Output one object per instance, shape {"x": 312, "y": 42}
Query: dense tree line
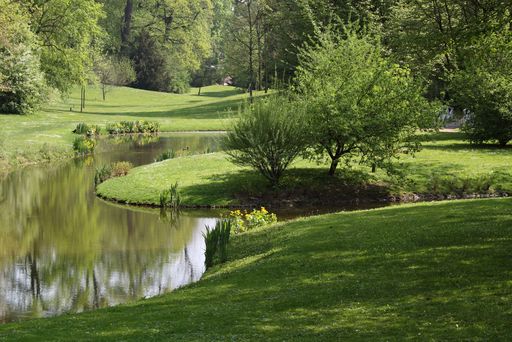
{"x": 168, "y": 45}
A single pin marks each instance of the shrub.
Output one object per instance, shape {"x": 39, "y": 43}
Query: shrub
{"x": 267, "y": 137}
{"x": 217, "y": 239}
{"x": 169, "y": 154}
{"x": 102, "y": 174}
{"x": 243, "y": 221}
{"x": 120, "y": 169}
{"x": 117, "y": 169}
{"x": 83, "y": 145}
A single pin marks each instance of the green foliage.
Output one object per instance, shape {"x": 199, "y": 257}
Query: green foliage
{"x": 85, "y": 129}
{"x": 171, "y": 198}
{"x": 117, "y": 169}
{"x": 102, "y": 173}
{"x": 22, "y": 85}
{"x": 217, "y": 239}
{"x": 268, "y": 136}
{"x": 128, "y": 127}
{"x": 360, "y": 105}
{"x": 68, "y": 34}
{"x": 169, "y": 154}
{"x": 484, "y": 88}
{"x": 83, "y": 145}
{"x": 243, "y": 221}
{"x": 114, "y": 71}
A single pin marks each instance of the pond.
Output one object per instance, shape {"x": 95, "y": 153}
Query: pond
{"x": 64, "y": 250}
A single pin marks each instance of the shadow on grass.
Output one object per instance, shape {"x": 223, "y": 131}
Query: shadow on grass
{"x": 299, "y": 187}
{"x": 426, "y": 271}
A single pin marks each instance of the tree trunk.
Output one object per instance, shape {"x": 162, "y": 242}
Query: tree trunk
{"x": 334, "y": 165}
{"x": 103, "y": 91}
{"x": 199, "y": 92}
{"x": 503, "y": 142}
{"x": 127, "y": 26}
{"x": 251, "y": 51}
{"x": 374, "y": 168}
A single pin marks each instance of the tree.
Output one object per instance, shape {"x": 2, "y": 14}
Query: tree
{"x": 67, "y": 31}
{"x": 360, "y": 105}
{"x": 267, "y": 137}
{"x": 484, "y": 87}
{"x": 114, "y": 71}
{"x": 21, "y": 81}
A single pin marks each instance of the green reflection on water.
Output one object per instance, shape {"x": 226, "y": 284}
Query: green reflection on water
{"x": 64, "y": 250}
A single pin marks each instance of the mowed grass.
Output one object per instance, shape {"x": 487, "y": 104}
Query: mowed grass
{"x": 446, "y": 165}
{"x": 25, "y": 136}
{"x": 437, "y": 271}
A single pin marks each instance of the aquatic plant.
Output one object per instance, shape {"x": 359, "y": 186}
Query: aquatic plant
{"x": 169, "y": 154}
{"x": 171, "y": 198}
{"x": 217, "y": 239}
{"x": 84, "y": 129}
{"x": 127, "y": 127}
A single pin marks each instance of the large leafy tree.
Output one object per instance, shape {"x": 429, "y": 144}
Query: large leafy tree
{"x": 484, "y": 87}
{"x": 361, "y": 105}
{"x": 67, "y": 31}
{"x": 21, "y": 81}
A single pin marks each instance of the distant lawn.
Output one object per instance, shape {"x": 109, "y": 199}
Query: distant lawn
{"x": 22, "y": 137}
{"x": 446, "y": 166}
{"x": 439, "y": 271}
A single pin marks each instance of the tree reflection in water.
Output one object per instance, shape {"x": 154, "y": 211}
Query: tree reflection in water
{"x": 64, "y": 250}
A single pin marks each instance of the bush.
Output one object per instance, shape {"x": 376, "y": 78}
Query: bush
{"x": 256, "y": 218}
{"x": 102, "y": 174}
{"x": 83, "y": 145}
{"x": 117, "y": 169}
{"x": 169, "y": 154}
{"x": 268, "y": 136}
{"x": 120, "y": 169}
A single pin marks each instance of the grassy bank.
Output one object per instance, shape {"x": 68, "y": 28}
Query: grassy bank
{"x": 446, "y": 166}
{"x": 437, "y": 271}
{"x": 47, "y": 134}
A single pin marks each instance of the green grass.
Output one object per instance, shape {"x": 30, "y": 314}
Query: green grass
{"x": 212, "y": 180}
{"x": 437, "y": 271}
{"x": 23, "y": 136}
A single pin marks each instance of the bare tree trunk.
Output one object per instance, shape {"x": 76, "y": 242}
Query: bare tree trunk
{"x": 127, "y": 26}
{"x": 251, "y": 50}
{"x": 334, "y": 166}
{"x": 103, "y": 91}
{"x": 199, "y": 92}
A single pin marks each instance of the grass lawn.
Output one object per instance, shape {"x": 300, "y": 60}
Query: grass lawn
{"x": 432, "y": 271}
{"x": 447, "y": 165}
{"x": 23, "y": 137}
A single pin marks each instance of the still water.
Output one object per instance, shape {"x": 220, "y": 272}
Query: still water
{"x": 64, "y": 250}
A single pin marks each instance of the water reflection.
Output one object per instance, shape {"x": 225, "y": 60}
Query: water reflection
{"x": 64, "y": 250}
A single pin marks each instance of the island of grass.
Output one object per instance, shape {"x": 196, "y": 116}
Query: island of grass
{"x": 447, "y": 167}
{"x": 431, "y": 271}
{"x": 47, "y": 134}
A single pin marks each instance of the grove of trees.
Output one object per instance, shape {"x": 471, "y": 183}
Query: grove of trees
{"x": 457, "y": 51}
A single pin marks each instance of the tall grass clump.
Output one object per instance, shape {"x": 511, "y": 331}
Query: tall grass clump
{"x": 171, "y": 198}
{"x": 169, "y": 154}
{"x": 217, "y": 239}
